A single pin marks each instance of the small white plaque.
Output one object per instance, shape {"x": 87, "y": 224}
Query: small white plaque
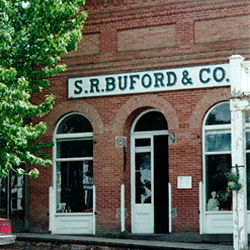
{"x": 184, "y": 182}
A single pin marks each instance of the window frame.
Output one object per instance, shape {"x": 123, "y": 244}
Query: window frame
{"x": 218, "y": 127}
{"x": 56, "y": 160}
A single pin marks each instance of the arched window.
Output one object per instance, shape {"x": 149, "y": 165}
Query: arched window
{"x": 151, "y": 121}
{"x": 217, "y": 153}
{"x": 74, "y": 164}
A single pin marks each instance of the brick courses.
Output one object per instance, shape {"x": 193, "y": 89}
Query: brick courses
{"x": 164, "y": 34}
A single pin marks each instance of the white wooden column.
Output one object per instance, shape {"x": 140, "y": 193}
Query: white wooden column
{"x": 94, "y": 210}
{"x": 122, "y": 208}
{"x": 238, "y": 145}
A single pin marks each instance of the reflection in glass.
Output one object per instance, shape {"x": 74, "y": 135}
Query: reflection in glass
{"x": 74, "y": 124}
{"x": 248, "y": 180}
{"x": 3, "y": 197}
{"x": 75, "y": 148}
{"x": 17, "y": 192}
{"x": 12, "y": 198}
{"x": 74, "y": 176}
{"x": 218, "y": 142}
{"x": 142, "y": 142}
{"x": 219, "y": 115}
{"x": 247, "y": 140}
{"x": 217, "y": 166}
{"x": 75, "y": 186}
{"x": 143, "y": 177}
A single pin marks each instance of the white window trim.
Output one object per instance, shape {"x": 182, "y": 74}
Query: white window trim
{"x": 79, "y": 136}
{"x": 74, "y": 159}
{"x": 61, "y": 137}
{"x": 205, "y": 128}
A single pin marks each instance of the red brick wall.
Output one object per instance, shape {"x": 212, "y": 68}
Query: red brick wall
{"x": 163, "y": 34}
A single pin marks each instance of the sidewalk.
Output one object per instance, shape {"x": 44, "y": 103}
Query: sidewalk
{"x": 151, "y": 243}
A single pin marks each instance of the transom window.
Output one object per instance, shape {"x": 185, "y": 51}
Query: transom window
{"x": 217, "y": 155}
{"x": 151, "y": 121}
{"x": 74, "y": 164}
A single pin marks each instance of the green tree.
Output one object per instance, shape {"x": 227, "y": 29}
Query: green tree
{"x": 33, "y": 36}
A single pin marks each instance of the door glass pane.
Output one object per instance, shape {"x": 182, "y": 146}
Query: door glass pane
{"x": 216, "y": 168}
{"x": 17, "y": 203}
{"x": 17, "y": 193}
{"x": 75, "y": 186}
{"x": 143, "y": 177}
{"x": 218, "y": 142}
{"x": 75, "y": 148}
{"x": 12, "y": 200}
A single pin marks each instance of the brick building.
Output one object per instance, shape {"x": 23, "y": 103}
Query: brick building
{"x": 145, "y": 103}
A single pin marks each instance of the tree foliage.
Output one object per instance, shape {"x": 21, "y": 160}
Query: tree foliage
{"x": 33, "y": 36}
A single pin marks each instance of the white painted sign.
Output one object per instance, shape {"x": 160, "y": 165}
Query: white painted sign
{"x": 206, "y": 76}
{"x": 184, "y": 182}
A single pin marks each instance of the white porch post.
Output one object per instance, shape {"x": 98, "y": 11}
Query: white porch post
{"x": 238, "y": 105}
{"x": 122, "y": 208}
{"x": 239, "y": 197}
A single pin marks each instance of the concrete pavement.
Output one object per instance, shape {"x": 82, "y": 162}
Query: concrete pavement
{"x": 135, "y": 243}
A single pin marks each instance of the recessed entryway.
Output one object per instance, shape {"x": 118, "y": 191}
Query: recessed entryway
{"x": 149, "y": 173}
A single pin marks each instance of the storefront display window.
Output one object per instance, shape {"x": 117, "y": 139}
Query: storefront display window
{"x": 74, "y": 165}
{"x": 217, "y": 157}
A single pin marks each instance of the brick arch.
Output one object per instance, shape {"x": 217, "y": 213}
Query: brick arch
{"x": 206, "y": 102}
{"x": 67, "y": 107}
{"x": 149, "y": 101}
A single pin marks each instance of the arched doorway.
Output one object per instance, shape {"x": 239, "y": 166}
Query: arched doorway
{"x": 149, "y": 173}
